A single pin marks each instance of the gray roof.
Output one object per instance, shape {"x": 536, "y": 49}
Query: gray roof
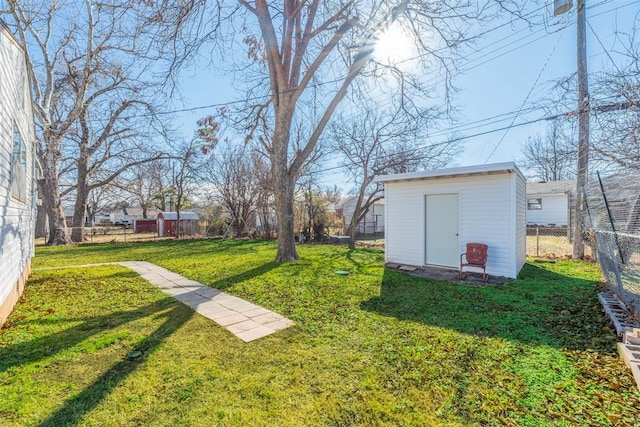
{"x": 172, "y": 216}
{"x": 551, "y": 187}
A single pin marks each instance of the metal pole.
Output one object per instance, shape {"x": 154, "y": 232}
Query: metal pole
{"x": 613, "y": 226}
{"x": 537, "y": 241}
{"x": 583, "y": 129}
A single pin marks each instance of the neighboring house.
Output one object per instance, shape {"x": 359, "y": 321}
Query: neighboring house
{"x": 373, "y": 221}
{"x": 130, "y": 214}
{"x": 430, "y": 216}
{"x": 168, "y": 222}
{"x": 549, "y": 203}
{"x": 17, "y": 199}
{"x": 68, "y": 215}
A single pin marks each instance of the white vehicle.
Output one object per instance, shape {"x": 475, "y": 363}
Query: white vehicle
{"x": 116, "y": 219}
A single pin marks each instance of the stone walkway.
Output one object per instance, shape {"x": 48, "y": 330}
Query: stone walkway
{"x": 245, "y": 320}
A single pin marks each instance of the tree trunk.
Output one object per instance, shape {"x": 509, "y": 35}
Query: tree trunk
{"x": 41, "y": 215}
{"x": 82, "y": 196}
{"x": 263, "y": 214}
{"x": 357, "y": 212}
{"x": 284, "y": 182}
{"x": 51, "y": 193}
{"x": 57, "y": 224}
{"x": 77, "y": 224}
{"x": 284, "y": 213}
{"x": 41, "y": 222}
{"x": 352, "y": 230}
{"x": 178, "y": 225}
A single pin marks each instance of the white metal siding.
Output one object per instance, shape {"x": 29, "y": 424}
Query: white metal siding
{"x": 520, "y": 226}
{"x": 486, "y": 216}
{"x": 16, "y": 217}
{"x": 555, "y": 210}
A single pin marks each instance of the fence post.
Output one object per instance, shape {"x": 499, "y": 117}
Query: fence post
{"x": 537, "y": 241}
{"x": 613, "y": 226}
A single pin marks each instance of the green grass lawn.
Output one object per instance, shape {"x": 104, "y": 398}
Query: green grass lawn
{"x": 374, "y": 348}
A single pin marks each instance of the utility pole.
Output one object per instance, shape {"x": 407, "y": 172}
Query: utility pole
{"x": 583, "y": 131}
{"x": 560, "y": 7}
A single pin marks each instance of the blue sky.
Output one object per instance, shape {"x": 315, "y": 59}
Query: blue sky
{"x": 513, "y": 68}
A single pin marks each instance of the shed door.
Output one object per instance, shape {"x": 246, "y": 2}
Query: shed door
{"x": 441, "y": 227}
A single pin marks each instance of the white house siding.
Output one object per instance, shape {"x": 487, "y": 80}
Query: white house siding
{"x": 373, "y": 221}
{"x": 555, "y": 210}
{"x": 16, "y": 216}
{"x": 521, "y": 229}
{"x": 486, "y": 215}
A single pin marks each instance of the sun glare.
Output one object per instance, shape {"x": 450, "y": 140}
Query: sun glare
{"x": 393, "y": 46}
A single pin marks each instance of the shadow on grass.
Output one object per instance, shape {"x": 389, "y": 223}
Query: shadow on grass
{"x": 540, "y": 307}
{"x": 340, "y": 256}
{"x": 351, "y": 258}
{"x": 41, "y": 348}
{"x": 229, "y": 281}
{"x": 75, "y": 408}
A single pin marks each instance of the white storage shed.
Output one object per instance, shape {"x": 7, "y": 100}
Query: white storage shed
{"x": 430, "y": 216}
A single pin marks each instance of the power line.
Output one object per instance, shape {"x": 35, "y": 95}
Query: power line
{"x": 544, "y": 67}
{"x": 457, "y": 139}
{"x": 418, "y": 148}
{"x": 264, "y": 98}
{"x": 604, "y": 49}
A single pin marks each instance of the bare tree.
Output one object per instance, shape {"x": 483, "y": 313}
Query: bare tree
{"x": 148, "y": 184}
{"x": 616, "y": 133}
{"x": 264, "y": 198}
{"x": 312, "y": 207}
{"x": 551, "y": 157}
{"x": 231, "y": 171}
{"x": 309, "y": 53}
{"x": 184, "y": 180}
{"x": 383, "y": 142}
{"x": 84, "y": 60}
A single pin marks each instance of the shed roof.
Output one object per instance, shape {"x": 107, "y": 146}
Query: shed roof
{"x": 552, "y": 187}
{"x": 494, "y": 168}
{"x": 173, "y": 216}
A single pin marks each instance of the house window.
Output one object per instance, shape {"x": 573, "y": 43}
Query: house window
{"x": 534, "y": 204}
{"x": 18, "y": 166}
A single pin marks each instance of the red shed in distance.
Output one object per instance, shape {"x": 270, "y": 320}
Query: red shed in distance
{"x": 167, "y": 223}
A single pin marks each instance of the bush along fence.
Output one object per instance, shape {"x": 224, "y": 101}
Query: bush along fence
{"x": 612, "y": 209}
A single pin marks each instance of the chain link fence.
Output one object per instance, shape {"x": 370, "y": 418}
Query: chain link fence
{"x": 549, "y": 241}
{"x": 120, "y": 234}
{"x": 612, "y": 212}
